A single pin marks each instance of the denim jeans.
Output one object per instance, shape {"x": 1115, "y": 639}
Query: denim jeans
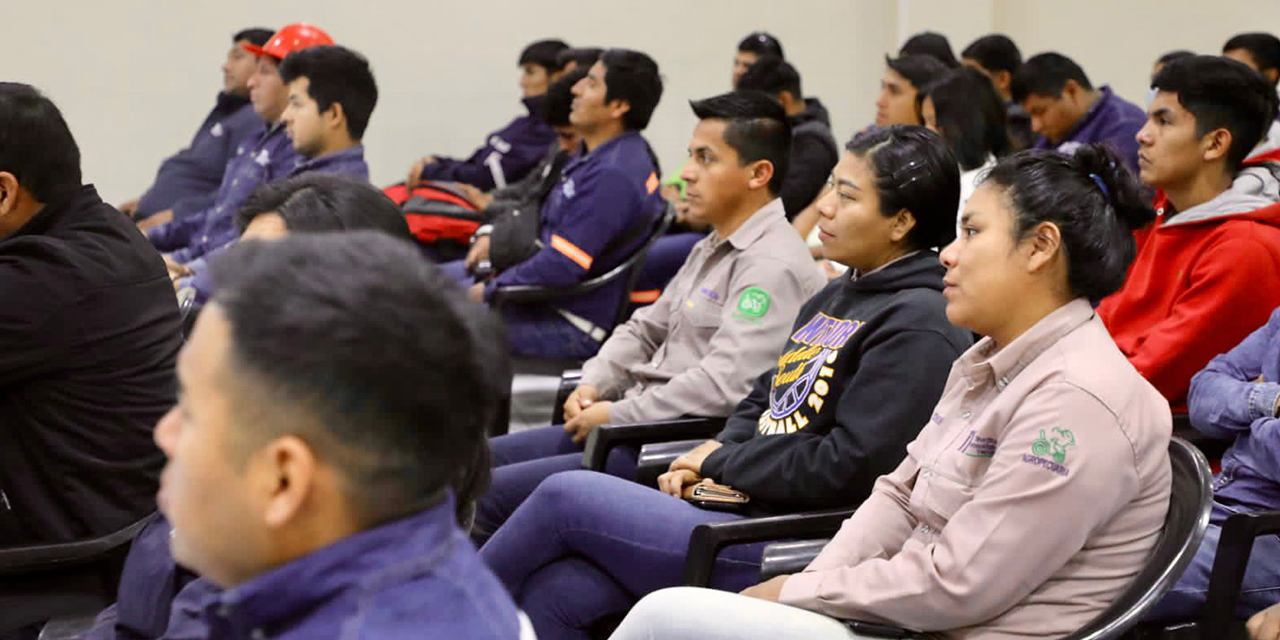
{"x": 521, "y": 461}
{"x": 586, "y": 545}
{"x": 1261, "y": 587}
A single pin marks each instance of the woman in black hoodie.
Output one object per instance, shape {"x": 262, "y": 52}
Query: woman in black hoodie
{"x": 854, "y": 383}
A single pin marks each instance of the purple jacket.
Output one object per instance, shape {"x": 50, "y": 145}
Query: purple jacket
{"x": 506, "y": 156}
{"x": 1226, "y": 403}
{"x": 1111, "y": 119}
{"x": 269, "y": 157}
{"x": 195, "y": 172}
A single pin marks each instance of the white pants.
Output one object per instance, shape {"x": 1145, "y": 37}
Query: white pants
{"x": 688, "y": 613}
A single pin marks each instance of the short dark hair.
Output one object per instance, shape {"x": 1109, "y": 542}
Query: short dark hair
{"x": 544, "y": 53}
{"x": 772, "y": 75}
{"x": 918, "y": 70}
{"x": 761, "y": 43}
{"x": 36, "y": 145}
{"x": 1263, "y": 47}
{"x": 1096, "y": 223}
{"x": 970, "y": 114}
{"x": 256, "y": 36}
{"x": 366, "y": 351}
{"x": 1176, "y": 54}
{"x": 317, "y": 202}
{"x": 336, "y": 74}
{"x": 930, "y": 43}
{"x": 632, "y": 76}
{"x": 995, "y": 52}
{"x": 1045, "y": 74}
{"x": 1222, "y": 93}
{"x": 915, "y": 171}
{"x": 584, "y": 57}
{"x": 559, "y": 100}
{"x": 756, "y": 127}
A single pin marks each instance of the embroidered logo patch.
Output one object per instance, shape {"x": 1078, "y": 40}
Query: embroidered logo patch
{"x": 753, "y": 303}
{"x": 1055, "y": 447}
{"x": 976, "y": 446}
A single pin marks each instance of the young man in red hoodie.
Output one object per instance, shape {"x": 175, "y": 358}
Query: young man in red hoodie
{"x": 1207, "y": 271}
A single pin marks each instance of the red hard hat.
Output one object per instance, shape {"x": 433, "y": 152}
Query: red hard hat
{"x": 294, "y": 37}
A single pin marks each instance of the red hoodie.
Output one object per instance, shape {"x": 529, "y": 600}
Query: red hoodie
{"x": 1200, "y": 283}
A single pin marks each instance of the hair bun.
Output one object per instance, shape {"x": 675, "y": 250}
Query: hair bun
{"x": 1116, "y": 183}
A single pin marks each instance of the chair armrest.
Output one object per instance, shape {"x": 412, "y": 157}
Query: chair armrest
{"x": 605, "y": 437}
{"x": 40, "y": 557}
{"x": 784, "y": 558}
{"x": 569, "y": 380}
{"x": 1229, "y": 564}
{"x": 707, "y": 538}
{"x": 655, "y": 458}
{"x": 68, "y": 628}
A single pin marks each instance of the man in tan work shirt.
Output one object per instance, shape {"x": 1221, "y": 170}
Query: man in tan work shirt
{"x": 716, "y": 326}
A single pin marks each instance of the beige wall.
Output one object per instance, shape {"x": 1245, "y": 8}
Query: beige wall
{"x": 134, "y": 77}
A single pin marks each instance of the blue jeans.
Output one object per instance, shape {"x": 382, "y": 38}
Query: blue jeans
{"x": 457, "y": 272}
{"x": 1261, "y": 587}
{"x": 521, "y": 461}
{"x": 586, "y": 545}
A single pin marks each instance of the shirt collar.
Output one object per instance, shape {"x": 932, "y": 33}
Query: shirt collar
{"x": 1004, "y": 365}
{"x": 282, "y": 597}
{"x": 754, "y": 227}
{"x": 350, "y": 154}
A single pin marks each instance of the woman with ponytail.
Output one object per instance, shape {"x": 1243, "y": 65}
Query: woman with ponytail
{"x": 1040, "y": 485}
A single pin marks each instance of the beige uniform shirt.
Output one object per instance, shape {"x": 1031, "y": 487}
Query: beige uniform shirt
{"x": 1032, "y": 498}
{"x": 715, "y": 328}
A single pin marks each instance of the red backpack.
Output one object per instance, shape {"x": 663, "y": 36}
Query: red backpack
{"x": 436, "y": 212}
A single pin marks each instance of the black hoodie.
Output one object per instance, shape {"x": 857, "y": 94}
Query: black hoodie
{"x": 813, "y": 155}
{"x": 857, "y": 380}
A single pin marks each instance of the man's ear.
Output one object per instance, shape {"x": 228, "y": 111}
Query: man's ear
{"x": 1272, "y": 75}
{"x": 619, "y": 108}
{"x": 1216, "y": 144}
{"x": 1071, "y": 90}
{"x": 761, "y": 174}
{"x": 1002, "y": 79}
{"x": 8, "y": 193}
{"x": 284, "y": 473}
{"x": 335, "y": 116}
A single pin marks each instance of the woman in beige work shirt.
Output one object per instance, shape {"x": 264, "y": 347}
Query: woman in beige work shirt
{"x": 1038, "y": 489}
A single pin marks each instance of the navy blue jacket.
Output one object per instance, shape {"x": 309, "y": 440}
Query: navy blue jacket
{"x": 196, "y": 172}
{"x": 506, "y": 156}
{"x": 1112, "y": 120}
{"x": 597, "y": 216}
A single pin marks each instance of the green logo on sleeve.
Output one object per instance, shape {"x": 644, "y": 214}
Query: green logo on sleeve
{"x": 1055, "y": 447}
{"x": 753, "y": 303}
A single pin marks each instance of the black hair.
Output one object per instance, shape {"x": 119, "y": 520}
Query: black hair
{"x": 584, "y": 57}
{"x": 544, "y": 53}
{"x": 930, "y": 43}
{"x": 36, "y": 145}
{"x": 559, "y": 100}
{"x": 317, "y": 202}
{"x": 361, "y": 348}
{"x": 918, "y": 70}
{"x": 336, "y": 74}
{"x": 256, "y": 36}
{"x": 1093, "y": 199}
{"x": 915, "y": 171}
{"x": 1045, "y": 74}
{"x": 772, "y": 75}
{"x": 995, "y": 52}
{"x": 762, "y": 44}
{"x": 632, "y": 76}
{"x": 757, "y": 128}
{"x": 1222, "y": 93}
{"x": 1176, "y": 54}
{"x": 970, "y": 115}
{"x": 1264, "y": 48}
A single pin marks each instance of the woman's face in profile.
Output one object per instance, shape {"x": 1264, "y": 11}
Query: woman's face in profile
{"x": 852, "y": 229}
{"x": 985, "y": 272}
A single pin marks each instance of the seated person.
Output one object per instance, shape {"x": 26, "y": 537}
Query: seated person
{"x": 964, "y": 108}
{"x": 903, "y": 77}
{"x": 998, "y": 57}
{"x": 1236, "y": 398}
{"x": 697, "y": 349}
{"x": 265, "y": 155}
{"x": 756, "y": 45}
{"x": 813, "y": 149}
{"x": 577, "y": 59}
{"x": 510, "y": 152}
{"x": 331, "y": 94}
{"x": 930, "y": 43}
{"x": 1261, "y": 52}
{"x": 309, "y": 203}
{"x": 854, "y": 383}
{"x": 196, "y": 171}
{"x": 297, "y": 448}
{"x": 1066, "y": 111}
{"x": 1040, "y": 486}
{"x": 89, "y": 330}
{"x": 598, "y": 214}
{"x": 1207, "y": 271}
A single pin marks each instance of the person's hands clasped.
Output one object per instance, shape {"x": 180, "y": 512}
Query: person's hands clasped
{"x": 590, "y": 417}
{"x": 673, "y": 482}
{"x": 692, "y": 461}
{"x": 581, "y": 398}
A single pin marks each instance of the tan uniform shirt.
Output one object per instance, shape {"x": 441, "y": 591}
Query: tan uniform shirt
{"x": 714, "y": 329}
{"x": 1032, "y": 498}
